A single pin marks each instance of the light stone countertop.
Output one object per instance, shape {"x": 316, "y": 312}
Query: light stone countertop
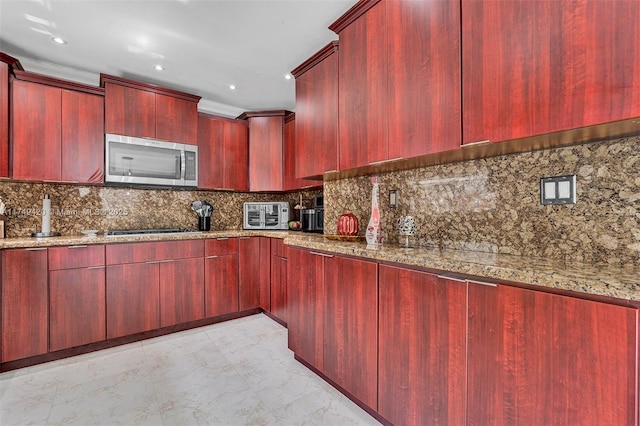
{"x": 602, "y": 280}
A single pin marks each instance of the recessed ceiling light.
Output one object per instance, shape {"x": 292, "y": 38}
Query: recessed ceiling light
{"x": 59, "y": 40}
{"x": 232, "y": 87}
{"x": 288, "y": 77}
{"x": 158, "y": 67}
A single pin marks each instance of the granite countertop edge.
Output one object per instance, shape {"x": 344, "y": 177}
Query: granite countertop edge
{"x": 618, "y": 282}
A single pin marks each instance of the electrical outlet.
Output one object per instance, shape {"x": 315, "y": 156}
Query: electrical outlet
{"x": 558, "y": 190}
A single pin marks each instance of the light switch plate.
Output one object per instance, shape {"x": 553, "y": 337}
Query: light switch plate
{"x": 393, "y": 198}
{"x": 558, "y": 190}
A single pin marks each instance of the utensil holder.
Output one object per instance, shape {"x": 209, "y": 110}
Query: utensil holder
{"x": 204, "y": 223}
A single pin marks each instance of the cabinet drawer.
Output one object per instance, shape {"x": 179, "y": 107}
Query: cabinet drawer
{"x": 153, "y": 251}
{"x": 221, "y": 246}
{"x": 78, "y": 256}
{"x": 277, "y": 247}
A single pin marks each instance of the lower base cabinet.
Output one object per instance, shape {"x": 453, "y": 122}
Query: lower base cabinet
{"x": 181, "y": 291}
{"x": 221, "y": 285}
{"x": 77, "y": 311}
{"x": 537, "y": 358}
{"x": 133, "y": 299}
{"x": 422, "y": 348}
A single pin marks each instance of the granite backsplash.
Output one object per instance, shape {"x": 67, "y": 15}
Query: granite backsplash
{"x": 76, "y": 208}
{"x": 493, "y": 204}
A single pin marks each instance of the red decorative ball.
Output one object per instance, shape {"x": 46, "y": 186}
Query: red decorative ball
{"x": 348, "y": 224}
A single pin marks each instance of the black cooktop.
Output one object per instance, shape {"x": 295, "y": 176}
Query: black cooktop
{"x": 119, "y": 232}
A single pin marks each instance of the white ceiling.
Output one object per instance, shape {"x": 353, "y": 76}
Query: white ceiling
{"x": 204, "y": 45}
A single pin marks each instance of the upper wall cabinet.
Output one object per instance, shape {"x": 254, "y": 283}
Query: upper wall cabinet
{"x": 7, "y": 63}
{"x": 148, "y": 111}
{"x": 399, "y": 76}
{"x": 534, "y": 67}
{"x": 316, "y": 125}
{"x": 291, "y": 155}
{"x": 57, "y": 130}
{"x": 223, "y": 153}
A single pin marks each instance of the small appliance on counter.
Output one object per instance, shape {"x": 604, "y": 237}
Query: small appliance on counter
{"x": 274, "y": 215}
{"x": 313, "y": 218}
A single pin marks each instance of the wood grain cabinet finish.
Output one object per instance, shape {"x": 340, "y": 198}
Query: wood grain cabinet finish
{"x": 316, "y": 128}
{"x": 351, "y": 326}
{"x": 279, "y": 299}
{"x": 133, "y": 298}
{"x": 24, "y": 294}
{"x": 305, "y": 293}
{"x": 291, "y": 148}
{"x": 182, "y": 286}
{"x": 255, "y": 273}
{"x": 58, "y": 134}
{"x": 422, "y": 348}
{"x": 36, "y": 131}
{"x": 532, "y": 67}
{"x": 153, "y": 251}
{"x": 266, "y": 152}
{"x": 5, "y": 62}
{"x": 176, "y": 120}
{"x": 78, "y": 256}
{"x": 223, "y": 153}
{"x": 362, "y": 98}
{"x": 77, "y": 307}
{"x": 221, "y": 276}
{"x": 144, "y": 110}
{"x": 423, "y": 69}
{"x": 539, "y": 358}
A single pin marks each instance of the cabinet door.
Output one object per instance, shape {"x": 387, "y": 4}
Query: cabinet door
{"x": 221, "y": 285}
{"x": 290, "y": 149}
{"x": 255, "y": 274}
{"x": 351, "y": 326}
{"x": 181, "y": 291}
{"x": 534, "y": 67}
{"x": 363, "y": 103}
{"x": 538, "y": 358}
{"x": 36, "y": 117}
{"x": 423, "y": 105}
{"x": 4, "y": 120}
{"x": 422, "y": 342}
{"x": 133, "y": 299}
{"x": 279, "y": 287}
{"x": 82, "y": 137}
{"x": 176, "y": 120}
{"x": 305, "y": 284}
{"x": 210, "y": 153}
{"x": 24, "y": 296}
{"x": 235, "y": 168}
{"x": 266, "y": 156}
{"x": 316, "y": 131}
{"x": 76, "y": 307}
{"x": 129, "y": 111}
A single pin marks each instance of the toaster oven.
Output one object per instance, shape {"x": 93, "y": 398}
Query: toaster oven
{"x": 273, "y": 215}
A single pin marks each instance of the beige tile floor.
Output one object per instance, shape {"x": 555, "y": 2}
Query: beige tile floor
{"x": 235, "y": 373}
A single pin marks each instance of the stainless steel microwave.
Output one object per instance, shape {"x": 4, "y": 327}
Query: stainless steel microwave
{"x": 273, "y": 215}
{"x": 141, "y": 161}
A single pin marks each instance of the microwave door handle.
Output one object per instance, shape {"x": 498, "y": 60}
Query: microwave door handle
{"x": 183, "y": 165}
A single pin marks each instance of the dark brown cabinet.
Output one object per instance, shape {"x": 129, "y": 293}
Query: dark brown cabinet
{"x": 422, "y": 348}
{"x": 305, "y": 292}
{"x": 279, "y": 279}
{"x": 138, "y": 109}
{"x": 351, "y": 326}
{"x": 64, "y": 127}
{"x": 223, "y": 153}
{"x": 266, "y": 150}
{"x": 532, "y": 67}
{"x": 153, "y": 284}
{"x": 221, "y": 276}
{"x": 24, "y": 294}
{"x": 255, "y": 273}
{"x": 77, "y": 298}
{"x": 181, "y": 291}
{"x": 316, "y": 128}
{"x": 540, "y": 358}
{"x": 399, "y": 77}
